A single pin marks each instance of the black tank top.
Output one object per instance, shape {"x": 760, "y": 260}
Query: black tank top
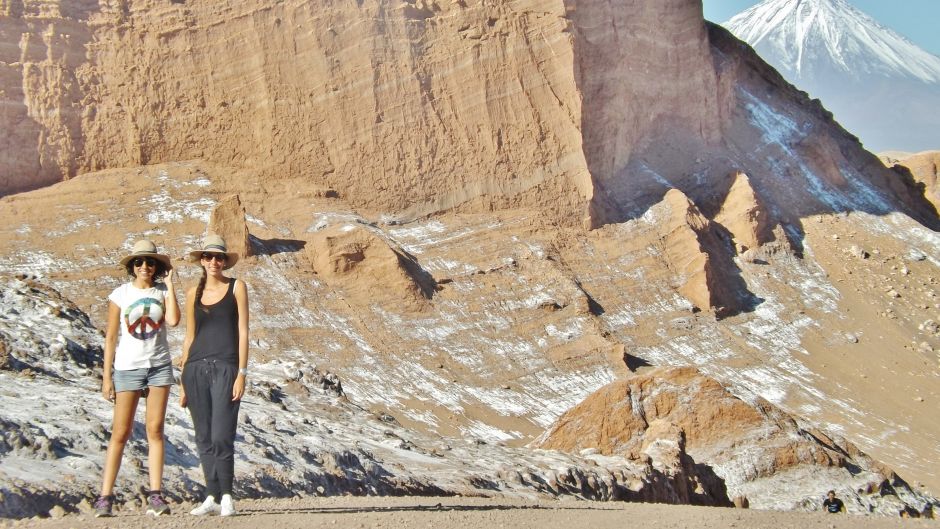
{"x": 216, "y": 329}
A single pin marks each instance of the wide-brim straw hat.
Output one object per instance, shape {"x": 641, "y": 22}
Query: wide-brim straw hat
{"x": 214, "y": 244}
{"x": 146, "y": 248}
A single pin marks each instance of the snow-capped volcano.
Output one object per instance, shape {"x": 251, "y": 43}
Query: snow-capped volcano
{"x": 879, "y": 85}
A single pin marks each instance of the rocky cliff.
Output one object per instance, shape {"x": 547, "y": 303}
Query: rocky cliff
{"x": 586, "y": 110}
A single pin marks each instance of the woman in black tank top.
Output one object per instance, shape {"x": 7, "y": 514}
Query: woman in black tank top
{"x": 215, "y": 364}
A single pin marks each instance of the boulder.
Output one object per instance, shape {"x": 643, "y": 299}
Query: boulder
{"x": 744, "y": 215}
{"x": 924, "y": 168}
{"x": 228, "y": 221}
{"x": 753, "y": 446}
{"x": 699, "y": 259}
{"x": 368, "y": 270}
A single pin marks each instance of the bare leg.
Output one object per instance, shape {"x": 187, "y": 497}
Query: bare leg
{"x": 156, "y": 415}
{"x": 125, "y": 405}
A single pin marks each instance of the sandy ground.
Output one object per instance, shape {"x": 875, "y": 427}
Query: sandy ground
{"x": 447, "y": 513}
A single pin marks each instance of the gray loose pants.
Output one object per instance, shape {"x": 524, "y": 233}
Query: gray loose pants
{"x": 208, "y": 385}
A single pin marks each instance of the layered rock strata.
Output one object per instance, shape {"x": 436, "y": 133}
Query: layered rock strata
{"x": 367, "y": 270}
{"x": 586, "y": 110}
{"x": 750, "y": 445}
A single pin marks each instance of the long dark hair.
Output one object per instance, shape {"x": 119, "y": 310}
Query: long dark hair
{"x": 199, "y": 288}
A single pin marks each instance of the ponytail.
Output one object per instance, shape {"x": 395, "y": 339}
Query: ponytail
{"x": 199, "y": 288}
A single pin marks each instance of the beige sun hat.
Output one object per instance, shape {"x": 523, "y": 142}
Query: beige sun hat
{"x": 146, "y": 248}
{"x": 214, "y": 244}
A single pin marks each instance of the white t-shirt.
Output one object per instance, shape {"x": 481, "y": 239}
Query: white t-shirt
{"x": 143, "y": 333}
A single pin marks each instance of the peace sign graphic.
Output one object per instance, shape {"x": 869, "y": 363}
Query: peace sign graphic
{"x": 144, "y": 327}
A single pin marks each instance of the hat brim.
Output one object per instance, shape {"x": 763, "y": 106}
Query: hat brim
{"x": 230, "y": 257}
{"x": 165, "y": 259}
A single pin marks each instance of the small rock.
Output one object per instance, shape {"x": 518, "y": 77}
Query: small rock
{"x": 893, "y": 294}
{"x": 919, "y": 399}
{"x": 851, "y": 338}
{"x": 57, "y": 512}
{"x": 858, "y": 252}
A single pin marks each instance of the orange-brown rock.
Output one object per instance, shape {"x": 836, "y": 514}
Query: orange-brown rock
{"x": 699, "y": 260}
{"x": 228, "y": 221}
{"x": 617, "y": 418}
{"x": 578, "y": 108}
{"x": 744, "y": 215}
{"x": 924, "y": 167}
{"x": 367, "y": 270}
{"x": 680, "y": 406}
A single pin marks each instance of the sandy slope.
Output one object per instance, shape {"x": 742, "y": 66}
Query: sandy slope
{"x": 349, "y": 512}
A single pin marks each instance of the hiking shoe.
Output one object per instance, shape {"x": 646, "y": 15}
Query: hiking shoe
{"x": 156, "y": 505}
{"x": 208, "y": 507}
{"x": 227, "y": 507}
{"x": 103, "y": 506}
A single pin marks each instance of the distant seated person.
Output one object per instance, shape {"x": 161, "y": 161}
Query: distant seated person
{"x": 832, "y": 504}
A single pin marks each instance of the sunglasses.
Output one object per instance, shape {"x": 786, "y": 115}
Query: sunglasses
{"x": 220, "y": 257}
{"x": 149, "y": 261}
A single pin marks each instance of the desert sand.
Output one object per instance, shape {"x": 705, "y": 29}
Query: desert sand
{"x": 454, "y": 513}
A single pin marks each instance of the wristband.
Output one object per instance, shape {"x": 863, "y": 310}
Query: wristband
{"x": 243, "y": 371}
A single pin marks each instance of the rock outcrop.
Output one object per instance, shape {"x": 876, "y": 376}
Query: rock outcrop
{"x": 228, "y": 221}
{"x": 923, "y": 167}
{"x": 699, "y": 259}
{"x": 744, "y": 215}
{"x": 750, "y": 445}
{"x": 367, "y": 270}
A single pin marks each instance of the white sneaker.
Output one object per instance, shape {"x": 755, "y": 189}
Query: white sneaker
{"x": 208, "y": 507}
{"x": 227, "y": 507}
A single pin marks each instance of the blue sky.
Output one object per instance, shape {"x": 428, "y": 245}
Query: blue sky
{"x": 918, "y": 20}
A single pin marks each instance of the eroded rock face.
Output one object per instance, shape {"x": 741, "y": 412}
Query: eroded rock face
{"x": 586, "y": 110}
{"x": 43, "y": 91}
{"x": 749, "y": 445}
{"x": 700, "y": 260}
{"x": 368, "y": 270}
{"x": 924, "y": 167}
{"x": 744, "y": 215}
{"x": 221, "y": 81}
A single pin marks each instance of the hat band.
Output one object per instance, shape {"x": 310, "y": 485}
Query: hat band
{"x": 215, "y": 246}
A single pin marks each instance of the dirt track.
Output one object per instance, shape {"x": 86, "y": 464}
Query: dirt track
{"x": 448, "y": 513}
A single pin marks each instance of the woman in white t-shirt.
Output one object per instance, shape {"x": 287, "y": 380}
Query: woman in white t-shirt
{"x": 139, "y": 364}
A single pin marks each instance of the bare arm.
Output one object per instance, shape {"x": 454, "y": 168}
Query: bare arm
{"x": 241, "y": 299}
{"x": 188, "y": 339}
{"x": 110, "y": 346}
{"x": 172, "y": 314}
{"x": 190, "y": 325}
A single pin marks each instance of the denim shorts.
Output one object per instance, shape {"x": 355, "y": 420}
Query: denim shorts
{"x": 138, "y": 379}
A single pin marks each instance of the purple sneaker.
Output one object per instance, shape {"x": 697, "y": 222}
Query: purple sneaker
{"x": 156, "y": 505}
{"x": 103, "y": 506}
